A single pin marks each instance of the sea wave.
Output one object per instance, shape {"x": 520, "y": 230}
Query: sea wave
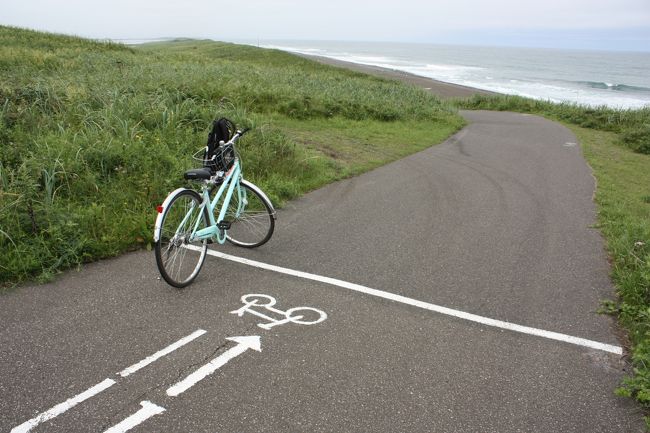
{"x": 452, "y": 68}
{"x": 382, "y": 61}
{"x": 616, "y": 87}
{"x": 308, "y": 51}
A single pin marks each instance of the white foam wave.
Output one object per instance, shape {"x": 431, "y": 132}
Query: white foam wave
{"x": 308, "y": 51}
{"x": 452, "y": 68}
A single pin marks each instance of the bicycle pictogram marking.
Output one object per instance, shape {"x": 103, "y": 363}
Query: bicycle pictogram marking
{"x": 254, "y": 301}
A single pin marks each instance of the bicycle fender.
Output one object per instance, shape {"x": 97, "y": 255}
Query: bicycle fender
{"x": 156, "y": 229}
{"x": 261, "y": 193}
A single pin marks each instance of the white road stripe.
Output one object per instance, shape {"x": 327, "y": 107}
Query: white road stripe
{"x": 148, "y": 410}
{"x": 62, "y": 407}
{"x": 148, "y": 360}
{"x": 425, "y": 305}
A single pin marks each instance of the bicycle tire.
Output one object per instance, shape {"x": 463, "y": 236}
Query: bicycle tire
{"x": 178, "y": 260}
{"x": 252, "y": 220}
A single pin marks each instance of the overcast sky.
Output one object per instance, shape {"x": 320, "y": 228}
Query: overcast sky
{"x": 594, "y": 24}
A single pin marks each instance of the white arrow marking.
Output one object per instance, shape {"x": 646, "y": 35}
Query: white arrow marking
{"x": 244, "y": 343}
{"x": 62, "y": 407}
{"x": 148, "y": 410}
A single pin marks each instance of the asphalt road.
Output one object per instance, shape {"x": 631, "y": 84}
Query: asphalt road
{"x": 496, "y": 222}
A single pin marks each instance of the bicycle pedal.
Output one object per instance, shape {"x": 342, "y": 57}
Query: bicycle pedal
{"x": 224, "y": 225}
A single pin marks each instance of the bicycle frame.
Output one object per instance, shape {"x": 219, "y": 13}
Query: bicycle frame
{"x": 230, "y": 183}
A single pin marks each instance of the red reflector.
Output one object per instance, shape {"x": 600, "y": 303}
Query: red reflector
{"x": 159, "y": 209}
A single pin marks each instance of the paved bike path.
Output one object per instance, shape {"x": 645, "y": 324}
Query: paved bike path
{"x": 494, "y": 222}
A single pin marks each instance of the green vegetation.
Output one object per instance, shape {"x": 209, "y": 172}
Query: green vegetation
{"x": 624, "y": 219}
{"x": 616, "y": 144}
{"x": 94, "y": 135}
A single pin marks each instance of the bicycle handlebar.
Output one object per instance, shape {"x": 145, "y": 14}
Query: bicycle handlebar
{"x": 238, "y": 134}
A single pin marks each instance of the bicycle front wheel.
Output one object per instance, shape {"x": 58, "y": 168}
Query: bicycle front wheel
{"x": 251, "y": 217}
{"x": 179, "y": 259}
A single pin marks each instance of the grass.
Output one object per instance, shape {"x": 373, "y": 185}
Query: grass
{"x": 94, "y": 135}
{"x": 624, "y": 219}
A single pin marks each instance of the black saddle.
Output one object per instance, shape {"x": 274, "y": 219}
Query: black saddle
{"x": 197, "y": 174}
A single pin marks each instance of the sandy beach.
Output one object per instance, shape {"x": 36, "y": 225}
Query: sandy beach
{"x": 439, "y": 88}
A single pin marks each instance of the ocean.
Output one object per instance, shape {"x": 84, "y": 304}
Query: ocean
{"x": 591, "y": 78}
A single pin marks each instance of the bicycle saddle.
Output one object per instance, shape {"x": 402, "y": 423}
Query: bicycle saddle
{"x": 197, "y": 174}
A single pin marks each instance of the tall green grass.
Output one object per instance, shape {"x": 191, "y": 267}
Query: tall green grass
{"x": 94, "y": 135}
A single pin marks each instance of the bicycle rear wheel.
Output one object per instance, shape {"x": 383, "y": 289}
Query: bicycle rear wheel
{"x": 179, "y": 260}
{"x": 251, "y": 217}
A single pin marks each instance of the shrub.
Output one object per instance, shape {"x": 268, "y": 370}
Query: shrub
{"x": 637, "y": 138}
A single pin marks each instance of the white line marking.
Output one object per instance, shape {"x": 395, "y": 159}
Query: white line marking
{"x": 244, "y": 343}
{"x": 62, "y": 407}
{"x": 148, "y": 410}
{"x": 425, "y": 305}
{"x": 148, "y": 360}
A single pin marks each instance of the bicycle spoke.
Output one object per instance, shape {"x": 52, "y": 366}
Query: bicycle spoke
{"x": 252, "y": 225}
{"x": 255, "y": 223}
{"x": 179, "y": 265}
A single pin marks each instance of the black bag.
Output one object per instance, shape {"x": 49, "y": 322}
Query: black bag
{"x": 220, "y": 157}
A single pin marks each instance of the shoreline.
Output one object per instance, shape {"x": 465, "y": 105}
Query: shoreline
{"x": 441, "y": 89}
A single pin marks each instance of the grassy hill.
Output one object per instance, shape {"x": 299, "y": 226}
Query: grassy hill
{"x": 94, "y": 135}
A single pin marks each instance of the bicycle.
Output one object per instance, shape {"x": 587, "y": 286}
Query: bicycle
{"x": 186, "y": 221}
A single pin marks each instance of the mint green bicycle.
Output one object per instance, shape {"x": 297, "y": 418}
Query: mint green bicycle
{"x": 186, "y": 221}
